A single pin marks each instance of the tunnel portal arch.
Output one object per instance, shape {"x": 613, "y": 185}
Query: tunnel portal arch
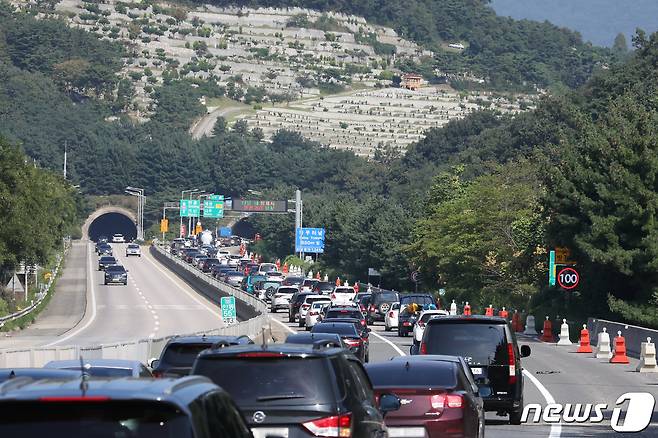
{"x": 109, "y": 220}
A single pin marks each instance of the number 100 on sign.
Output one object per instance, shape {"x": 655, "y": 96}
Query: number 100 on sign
{"x": 568, "y": 278}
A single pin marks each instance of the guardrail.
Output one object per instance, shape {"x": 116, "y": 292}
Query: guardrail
{"x": 633, "y": 334}
{"x": 252, "y": 309}
{"x": 44, "y": 291}
{"x": 247, "y": 305}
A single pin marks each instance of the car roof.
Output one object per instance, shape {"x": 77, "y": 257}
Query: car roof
{"x": 283, "y": 350}
{"x": 310, "y": 337}
{"x": 434, "y": 357}
{"x": 37, "y": 373}
{"x": 177, "y": 391}
{"x": 94, "y": 363}
{"x": 410, "y": 365}
{"x": 205, "y": 339}
{"x": 466, "y": 319}
{"x": 333, "y": 322}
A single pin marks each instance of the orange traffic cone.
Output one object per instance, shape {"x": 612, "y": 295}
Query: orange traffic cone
{"x": 584, "y": 341}
{"x": 489, "y": 310}
{"x": 467, "y": 309}
{"x": 516, "y": 322}
{"x": 503, "y": 313}
{"x": 620, "y": 350}
{"x": 547, "y": 336}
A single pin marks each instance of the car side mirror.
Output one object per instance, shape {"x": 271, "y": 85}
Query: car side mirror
{"x": 484, "y": 391}
{"x": 525, "y": 350}
{"x": 153, "y": 363}
{"x": 369, "y": 329}
{"x": 388, "y": 403}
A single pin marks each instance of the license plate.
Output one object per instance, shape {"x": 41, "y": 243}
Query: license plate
{"x": 418, "y": 432}
{"x": 476, "y": 371}
{"x": 270, "y": 432}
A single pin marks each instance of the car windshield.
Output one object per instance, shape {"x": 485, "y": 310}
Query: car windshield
{"x": 106, "y": 419}
{"x": 133, "y": 246}
{"x": 263, "y": 381}
{"x": 108, "y": 259}
{"x": 385, "y": 297}
{"x": 105, "y": 371}
{"x": 320, "y": 304}
{"x": 427, "y": 316}
{"x": 115, "y": 269}
{"x": 421, "y": 300}
{"x": 287, "y": 290}
{"x": 182, "y": 355}
{"x": 344, "y": 313}
{"x": 413, "y": 374}
{"x": 344, "y": 290}
{"x": 478, "y": 344}
{"x": 343, "y": 329}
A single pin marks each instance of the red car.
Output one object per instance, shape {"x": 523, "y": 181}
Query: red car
{"x": 439, "y": 397}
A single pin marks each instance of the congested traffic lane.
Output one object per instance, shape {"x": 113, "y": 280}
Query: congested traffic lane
{"x": 552, "y": 374}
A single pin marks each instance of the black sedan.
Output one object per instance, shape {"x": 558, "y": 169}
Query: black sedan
{"x": 106, "y": 261}
{"x": 356, "y": 341}
{"x": 116, "y": 274}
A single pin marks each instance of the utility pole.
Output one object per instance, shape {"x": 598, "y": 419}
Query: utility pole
{"x": 65, "y": 151}
{"x": 139, "y": 193}
{"x": 298, "y": 213}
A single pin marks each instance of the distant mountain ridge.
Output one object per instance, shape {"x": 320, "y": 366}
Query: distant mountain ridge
{"x": 598, "y": 21}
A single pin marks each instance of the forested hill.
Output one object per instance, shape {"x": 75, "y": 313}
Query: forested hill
{"x": 506, "y": 51}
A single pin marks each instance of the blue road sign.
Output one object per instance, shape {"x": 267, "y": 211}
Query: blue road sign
{"x": 309, "y": 240}
{"x": 225, "y": 232}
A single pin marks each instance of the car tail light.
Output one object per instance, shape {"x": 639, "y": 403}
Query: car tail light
{"x": 336, "y": 426}
{"x": 390, "y": 314}
{"x": 442, "y": 401}
{"x": 305, "y": 306}
{"x": 372, "y": 308}
{"x": 423, "y": 348}
{"x": 74, "y": 399}
{"x": 313, "y": 313}
{"x": 333, "y": 296}
{"x": 352, "y": 342}
{"x": 406, "y": 323}
{"x": 157, "y": 374}
{"x": 363, "y": 322}
{"x": 421, "y": 324}
{"x": 512, "y": 364}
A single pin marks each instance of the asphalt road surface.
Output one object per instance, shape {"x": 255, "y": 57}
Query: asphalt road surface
{"x": 552, "y": 374}
{"x": 155, "y": 303}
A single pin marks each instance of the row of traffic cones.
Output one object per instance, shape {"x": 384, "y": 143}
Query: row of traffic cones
{"x": 648, "y": 363}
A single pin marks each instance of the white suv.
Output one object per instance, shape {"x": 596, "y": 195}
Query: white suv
{"x": 118, "y": 238}
{"x": 425, "y": 316}
{"x": 306, "y": 305}
{"x": 281, "y": 298}
{"x": 343, "y": 296}
{"x": 315, "y": 313}
{"x": 133, "y": 249}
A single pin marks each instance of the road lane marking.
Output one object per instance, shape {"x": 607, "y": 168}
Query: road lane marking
{"x": 395, "y": 347}
{"x": 195, "y": 298}
{"x": 91, "y": 281}
{"x": 556, "y": 428}
{"x": 282, "y": 325}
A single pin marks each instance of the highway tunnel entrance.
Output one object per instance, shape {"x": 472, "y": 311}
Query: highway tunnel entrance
{"x": 107, "y": 221}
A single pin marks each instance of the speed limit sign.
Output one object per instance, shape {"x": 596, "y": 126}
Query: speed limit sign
{"x": 568, "y": 278}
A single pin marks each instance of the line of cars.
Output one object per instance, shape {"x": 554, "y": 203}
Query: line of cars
{"x": 113, "y": 271}
{"x": 486, "y": 345}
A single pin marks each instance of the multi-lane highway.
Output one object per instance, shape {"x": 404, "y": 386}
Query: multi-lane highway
{"x": 552, "y": 374}
{"x": 83, "y": 311}
{"x": 157, "y": 303}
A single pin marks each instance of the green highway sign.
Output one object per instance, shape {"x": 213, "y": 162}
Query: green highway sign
{"x": 229, "y": 315}
{"x": 213, "y": 207}
{"x": 551, "y": 269}
{"x": 190, "y": 207}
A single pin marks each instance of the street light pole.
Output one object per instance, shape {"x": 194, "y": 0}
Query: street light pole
{"x": 140, "y": 209}
{"x": 182, "y": 196}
